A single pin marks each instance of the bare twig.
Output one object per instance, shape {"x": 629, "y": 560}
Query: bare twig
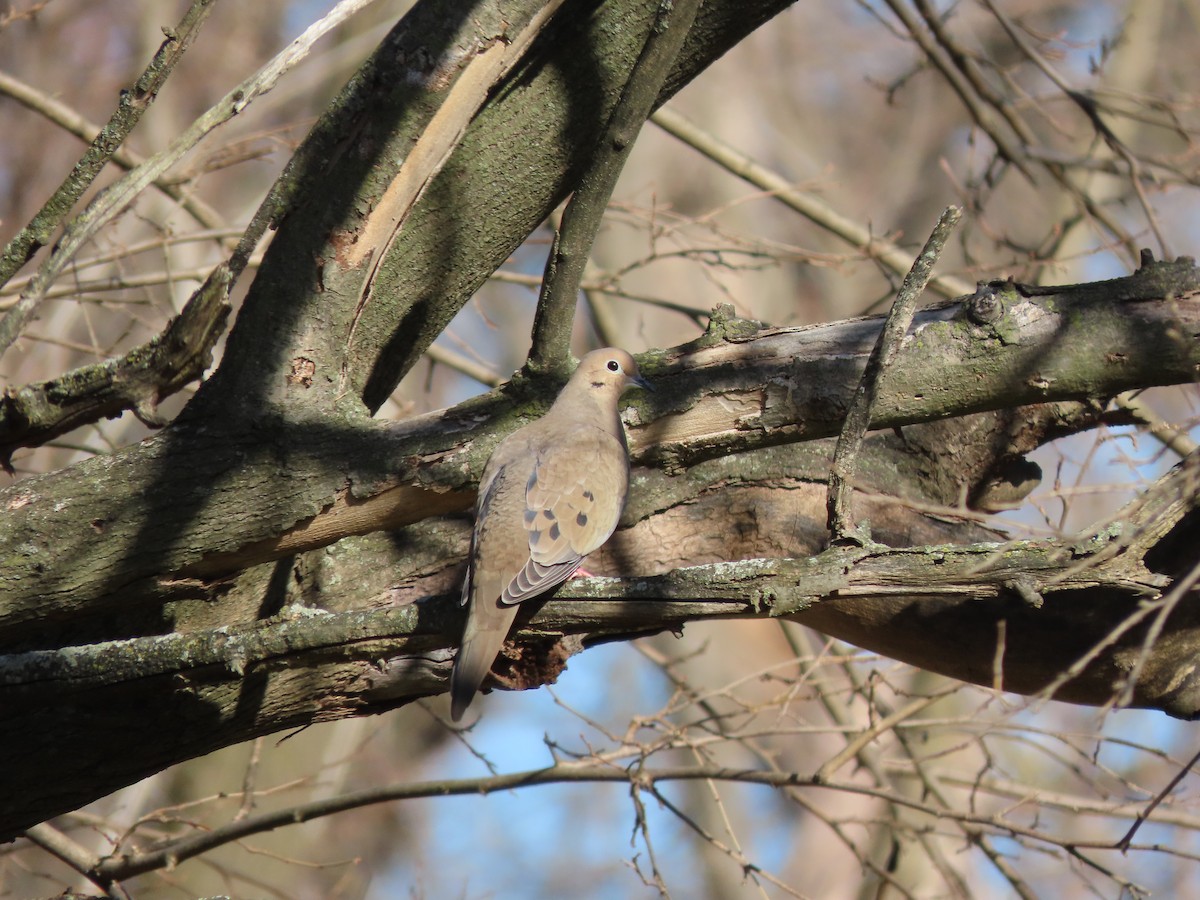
{"x": 1175, "y": 439}
{"x": 1182, "y": 588}
{"x": 68, "y": 119}
{"x": 133, "y": 104}
{"x": 117, "y": 868}
{"x": 1091, "y": 109}
{"x": 808, "y": 205}
{"x": 1127, "y": 840}
{"x": 887, "y": 723}
{"x": 858, "y": 418}
{"x": 990, "y": 111}
{"x": 138, "y": 380}
{"x": 117, "y": 197}
{"x": 462, "y": 364}
{"x": 606, "y": 288}
{"x": 932, "y": 44}
{"x": 62, "y": 847}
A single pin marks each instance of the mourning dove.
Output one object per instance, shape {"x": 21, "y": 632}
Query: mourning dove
{"x": 551, "y": 493}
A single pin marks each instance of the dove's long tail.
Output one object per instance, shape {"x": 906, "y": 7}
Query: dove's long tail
{"x": 484, "y": 636}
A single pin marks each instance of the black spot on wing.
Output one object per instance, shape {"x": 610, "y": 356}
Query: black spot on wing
{"x": 581, "y": 519}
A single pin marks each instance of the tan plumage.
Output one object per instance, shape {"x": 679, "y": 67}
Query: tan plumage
{"x": 551, "y": 493}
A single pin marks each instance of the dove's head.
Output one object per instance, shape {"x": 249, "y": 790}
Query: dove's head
{"x": 609, "y": 371}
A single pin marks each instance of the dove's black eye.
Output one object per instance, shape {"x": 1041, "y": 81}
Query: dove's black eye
{"x": 614, "y": 366}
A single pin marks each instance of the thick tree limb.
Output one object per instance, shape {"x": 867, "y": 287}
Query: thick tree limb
{"x": 240, "y": 658}
{"x": 224, "y": 684}
{"x": 160, "y": 603}
{"x": 217, "y": 503}
{"x": 381, "y": 301}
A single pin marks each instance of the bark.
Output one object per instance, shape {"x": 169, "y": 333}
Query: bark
{"x": 275, "y": 557}
{"x": 277, "y": 453}
{"x": 207, "y": 619}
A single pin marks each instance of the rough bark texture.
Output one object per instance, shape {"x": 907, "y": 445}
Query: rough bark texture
{"x": 182, "y": 620}
{"x": 275, "y": 557}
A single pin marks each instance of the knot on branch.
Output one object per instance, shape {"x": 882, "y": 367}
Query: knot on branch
{"x": 985, "y": 306}
{"x": 726, "y": 325}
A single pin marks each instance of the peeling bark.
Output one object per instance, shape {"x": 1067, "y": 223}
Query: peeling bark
{"x": 191, "y": 618}
{"x": 275, "y": 557}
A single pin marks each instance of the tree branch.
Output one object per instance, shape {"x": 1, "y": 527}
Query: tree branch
{"x": 737, "y": 389}
{"x": 938, "y": 607}
{"x": 581, "y": 220}
{"x": 129, "y": 112}
{"x": 69, "y": 120}
{"x": 633, "y": 772}
{"x": 117, "y": 197}
{"x": 139, "y": 380}
{"x": 889, "y": 255}
{"x": 883, "y": 354}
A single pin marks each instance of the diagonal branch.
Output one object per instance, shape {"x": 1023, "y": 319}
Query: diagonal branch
{"x": 741, "y": 388}
{"x": 117, "y": 197}
{"x": 581, "y": 220}
{"x": 66, "y": 118}
{"x": 889, "y": 255}
{"x": 883, "y": 354}
{"x": 138, "y": 380}
{"x": 133, "y": 104}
